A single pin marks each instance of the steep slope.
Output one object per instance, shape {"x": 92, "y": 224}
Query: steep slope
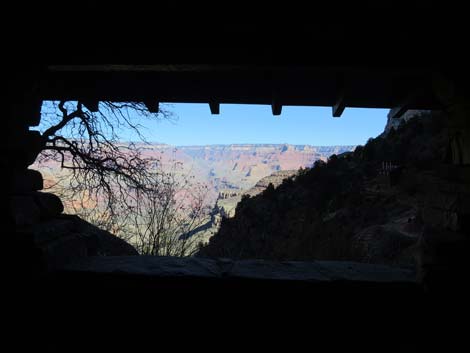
{"x": 350, "y": 208}
{"x": 228, "y": 199}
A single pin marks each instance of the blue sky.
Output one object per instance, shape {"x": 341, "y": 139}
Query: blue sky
{"x": 195, "y": 125}
{"x": 240, "y": 124}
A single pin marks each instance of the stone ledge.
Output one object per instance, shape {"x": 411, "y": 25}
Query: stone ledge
{"x": 167, "y": 267}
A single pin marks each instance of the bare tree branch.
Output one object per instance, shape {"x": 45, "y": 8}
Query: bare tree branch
{"x": 113, "y": 185}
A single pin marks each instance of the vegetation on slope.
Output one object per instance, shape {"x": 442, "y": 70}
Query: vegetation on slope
{"x": 346, "y": 209}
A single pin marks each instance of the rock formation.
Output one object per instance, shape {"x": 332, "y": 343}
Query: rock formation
{"x": 229, "y": 199}
{"x": 394, "y": 123}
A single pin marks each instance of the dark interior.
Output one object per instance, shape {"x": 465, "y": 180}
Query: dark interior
{"x": 376, "y": 55}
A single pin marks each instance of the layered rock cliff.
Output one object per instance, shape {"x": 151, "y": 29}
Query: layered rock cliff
{"x": 242, "y": 166}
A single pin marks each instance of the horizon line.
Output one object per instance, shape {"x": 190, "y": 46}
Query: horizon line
{"x": 237, "y": 144}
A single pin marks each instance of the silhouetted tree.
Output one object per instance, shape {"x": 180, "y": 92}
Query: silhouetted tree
{"x": 113, "y": 184}
{"x": 163, "y": 217}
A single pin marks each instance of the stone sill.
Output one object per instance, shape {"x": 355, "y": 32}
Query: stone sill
{"x": 203, "y": 268}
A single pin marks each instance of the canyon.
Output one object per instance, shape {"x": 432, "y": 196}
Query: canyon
{"x": 222, "y": 168}
{"x": 240, "y": 166}
{"x": 220, "y": 174}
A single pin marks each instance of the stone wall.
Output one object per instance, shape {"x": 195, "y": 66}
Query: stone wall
{"x": 445, "y": 243}
{"x": 40, "y": 237}
{"x": 48, "y": 237}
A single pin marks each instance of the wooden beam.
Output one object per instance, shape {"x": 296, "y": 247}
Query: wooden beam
{"x": 152, "y": 106}
{"x": 276, "y": 107}
{"x": 406, "y": 103}
{"x": 214, "y": 107}
{"x": 340, "y": 102}
{"x": 398, "y": 111}
{"x": 92, "y": 106}
{"x": 339, "y": 106}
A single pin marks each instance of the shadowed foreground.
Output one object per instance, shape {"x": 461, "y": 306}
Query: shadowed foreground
{"x": 162, "y": 304}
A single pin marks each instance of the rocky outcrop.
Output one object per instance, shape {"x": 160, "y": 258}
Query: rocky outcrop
{"x": 228, "y": 200}
{"x": 275, "y": 179}
{"x": 66, "y": 238}
{"x": 26, "y": 181}
{"x": 394, "y": 123}
{"x": 50, "y": 238}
